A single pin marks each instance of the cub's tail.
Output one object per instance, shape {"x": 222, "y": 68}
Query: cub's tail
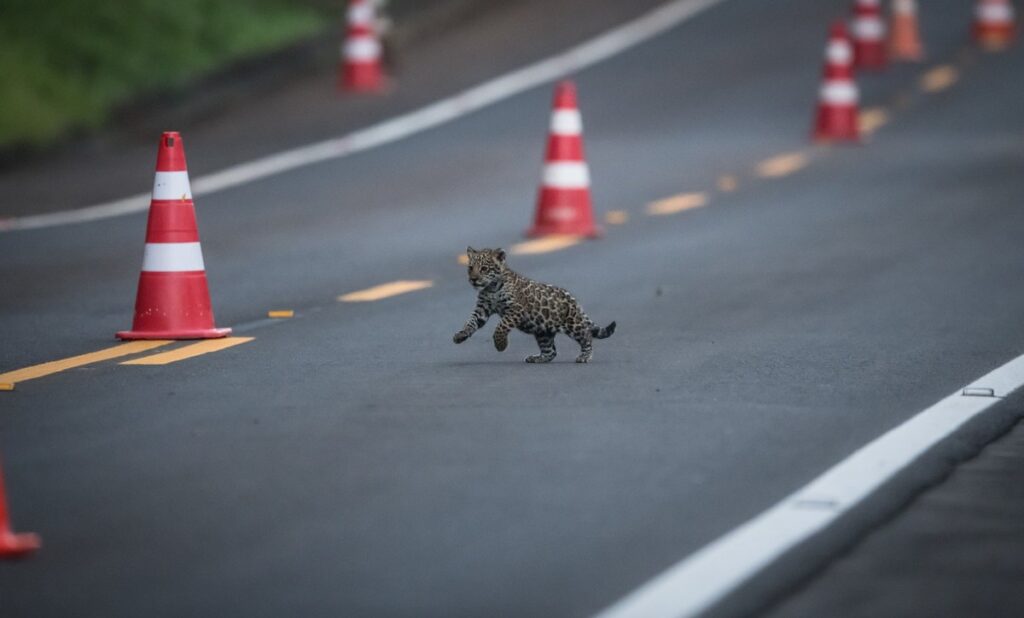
{"x": 602, "y": 333}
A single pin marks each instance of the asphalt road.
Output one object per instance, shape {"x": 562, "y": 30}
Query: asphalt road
{"x": 353, "y": 461}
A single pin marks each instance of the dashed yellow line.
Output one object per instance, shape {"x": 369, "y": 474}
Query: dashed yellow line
{"x": 281, "y": 313}
{"x": 677, "y": 203}
{"x": 52, "y": 367}
{"x": 545, "y": 245}
{"x": 782, "y": 165}
{"x": 463, "y": 259}
{"x": 939, "y": 78}
{"x": 616, "y": 217}
{"x": 6, "y": 386}
{"x": 384, "y": 291}
{"x": 727, "y": 183}
{"x": 189, "y": 351}
{"x": 872, "y": 119}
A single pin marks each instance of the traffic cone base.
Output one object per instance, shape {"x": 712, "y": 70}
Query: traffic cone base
{"x": 13, "y": 545}
{"x": 18, "y": 545}
{"x": 837, "y": 124}
{"x": 559, "y": 216}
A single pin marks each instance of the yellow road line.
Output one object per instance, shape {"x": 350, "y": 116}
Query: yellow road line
{"x": 939, "y": 78}
{"x": 544, "y": 245}
{"x": 678, "y": 203}
{"x": 45, "y": 369}
{"x": 189, "y": 351}
{"x": 872, "y": 119}
{"x": 782, "y": 165}
{"x": 6, "y": 386}
{"x": 384, "y": 291}
{"x": 727, "y": 183}
{"x": 463, "y": 259}
{"x": 281, "y": 313}
{"x": 616, "y": 217}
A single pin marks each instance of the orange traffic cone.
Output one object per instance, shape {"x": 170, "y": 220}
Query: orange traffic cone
{"x": 994, "y": 27}
{"x": 563, "y": 204}
{"x": 838, "y": 99}
{"x": 13, "y": 545}
{"x": 173, "y": 300}
{"x": 360, "y": 69}
{"x": 868, "y": 29}
{"x": 904, "y": 36}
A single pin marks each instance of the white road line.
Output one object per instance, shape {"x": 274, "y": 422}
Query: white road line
{"x": 591, "y": 52}
{"x": 696, "y": 583}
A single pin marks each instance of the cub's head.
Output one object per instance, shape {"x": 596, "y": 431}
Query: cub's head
{"x": 485, "y": 266}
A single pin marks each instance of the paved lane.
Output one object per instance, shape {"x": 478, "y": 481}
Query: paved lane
{"x": 353, "y": 461}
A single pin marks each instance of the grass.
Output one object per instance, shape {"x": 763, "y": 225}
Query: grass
{"x": 65, "y": 64}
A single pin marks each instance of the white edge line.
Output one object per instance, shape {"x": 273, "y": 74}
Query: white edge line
{"x": 574, "y": 59}
{"x": 696, "y": 583}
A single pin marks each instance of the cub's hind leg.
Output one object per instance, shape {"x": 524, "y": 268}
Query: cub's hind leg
{"x": 585, "y": 338}
{"x": 546, "y": 341}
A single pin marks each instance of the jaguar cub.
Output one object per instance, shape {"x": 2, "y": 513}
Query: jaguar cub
{"x": 536, "y": 308}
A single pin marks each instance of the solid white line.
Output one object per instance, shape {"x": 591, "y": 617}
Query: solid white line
{"x": 586, "y": 54}
{"x": 704, "y": 578}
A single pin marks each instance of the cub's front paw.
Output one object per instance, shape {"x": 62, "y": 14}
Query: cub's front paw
{"x": 460, "y": 336}
{"x": 500, "y": 343}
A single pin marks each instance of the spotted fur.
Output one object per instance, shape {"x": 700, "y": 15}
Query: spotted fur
{"x": 535, "y": 308}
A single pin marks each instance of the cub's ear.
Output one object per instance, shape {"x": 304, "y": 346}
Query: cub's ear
{"x": 470, "y": 250}
{"x": 500, "y": 254}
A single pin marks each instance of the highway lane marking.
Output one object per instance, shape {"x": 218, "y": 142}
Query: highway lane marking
{"x": 6, "y": 386}
{"x": 189, "y": 351}
{"x": 281, "y": 313}
{"x": 727, "y": 183}
{"x": 678, "y": 203}
{"x": 616, "y": 217}
{"x": 385, "y": 290}
{"x": 544, "y": 245}
{"x": 696, "y": 583}
{"x": 57, "y": 366}
{"x": 782, "y": 165}
{"x": 872, "y": 119}
{"x": 939, "y": 78}
{"x": 602, "y": 47}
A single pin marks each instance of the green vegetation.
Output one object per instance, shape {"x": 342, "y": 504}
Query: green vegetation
{"x": 66, "y": 63}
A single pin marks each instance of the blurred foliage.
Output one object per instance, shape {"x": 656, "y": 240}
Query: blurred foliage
{"x": 66, "y": 63}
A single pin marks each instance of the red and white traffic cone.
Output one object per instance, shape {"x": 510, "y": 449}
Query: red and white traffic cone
{"x": 173, "y": 300}
{"x": 994, "y": 24}
{"x": 563, "y": 203}
{"x": 868, "y": 28}
{"x": 905, "y": 36}
{"x": 838, "y": 99}
{"x": 360, "y": 69}
{"x": 13, "y": 545}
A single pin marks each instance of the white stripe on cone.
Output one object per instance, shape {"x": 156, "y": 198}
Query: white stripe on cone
{"x": 869, "y": 28}
{"x": 360, "y": 15}
{"x": 361, "y": 48}
{"x": 171, "y": 186}
{"x": 567, "y": 175}
{"x": 839, "y": 52}
{"x": 905, "y": 7}
{"x": 997, "y": 13}
{"x": 839, "y": 92}
{"x": 170, "y": 257}
{"x": 566, "y": 122}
